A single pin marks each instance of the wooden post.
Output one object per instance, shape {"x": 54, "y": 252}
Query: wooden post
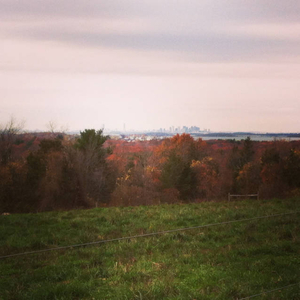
{"x": 246, "y": 195}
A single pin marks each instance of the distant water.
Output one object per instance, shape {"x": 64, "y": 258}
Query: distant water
{"x": 253, "y": 138}
{"x": 237, "y": 137}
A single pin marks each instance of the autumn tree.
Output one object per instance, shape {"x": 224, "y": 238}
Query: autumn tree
{"x": 44, "y": 175}
{"x": 12, "y": 169}
{"x": 87, "y": 159}
{"x": 207, "y": 174}
{"x": 291, "y": 169}
{"x": 247, "y": 151}
{"x": 136, "y": 181}
{"x": 238, "y": 158}
{"x": 8, "y": 134}
{"x": 272, "y": 167}
{"x": 177, "y": 155}
{"x": 13, "y": 188}
{"x": 248, "y": 179}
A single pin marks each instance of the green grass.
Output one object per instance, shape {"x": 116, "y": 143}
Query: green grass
{"x": 221, "y": 262}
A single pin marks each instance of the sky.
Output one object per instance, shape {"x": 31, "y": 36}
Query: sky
{"x": 226, "y": 65}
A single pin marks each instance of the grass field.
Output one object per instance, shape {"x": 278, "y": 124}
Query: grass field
{"x": 230, "y": 261}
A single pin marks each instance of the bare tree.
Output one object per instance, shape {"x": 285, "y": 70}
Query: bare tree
{"x": 52, "y": 126}
{"x": 8, "y": 134}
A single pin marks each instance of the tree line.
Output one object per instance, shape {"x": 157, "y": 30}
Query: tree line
{"x": 58, "y": 171}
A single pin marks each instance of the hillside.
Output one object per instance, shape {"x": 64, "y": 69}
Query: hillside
{"x": 48, "y": 172}
{"x": 228, "y": 261}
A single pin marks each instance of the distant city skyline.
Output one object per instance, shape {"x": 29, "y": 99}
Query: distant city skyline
{"x": 182, "y": 129}
{"x": 225, "y": 65}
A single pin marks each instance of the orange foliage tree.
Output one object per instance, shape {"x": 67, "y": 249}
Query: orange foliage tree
{"x": 175, "y": 157}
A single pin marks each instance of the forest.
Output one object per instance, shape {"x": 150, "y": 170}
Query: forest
{"x": 56, "y": 171}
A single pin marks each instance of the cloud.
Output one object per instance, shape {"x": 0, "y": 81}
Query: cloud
{"x": 205, "y": 47}
{"x": 51, "y": 8}
{"x": 128, "y": 33}
{"x": 222, "y": 9}
{"x": 228, "y": 42}
{"x": 289, "y": 32}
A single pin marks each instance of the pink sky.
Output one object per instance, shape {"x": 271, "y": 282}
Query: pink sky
{"x": 223, "y": 65}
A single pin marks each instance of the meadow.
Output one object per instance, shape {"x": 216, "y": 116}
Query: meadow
{"x": 228, "y": 261}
